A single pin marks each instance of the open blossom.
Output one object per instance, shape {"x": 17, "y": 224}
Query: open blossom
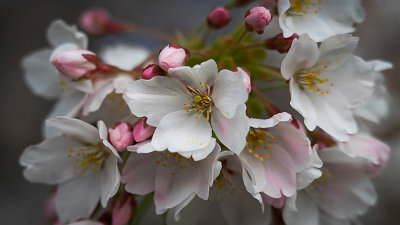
{"x": 327, "y": 83}
{"x": 320, "y": 19}
{"x": 182, "y": 105}
{"x": 341, "y": 194}
{"x": 229, "y": 202}
{"x": 81, "y": 162}
{"x": 171, "y": 176}
{"x": 275, "y": 152}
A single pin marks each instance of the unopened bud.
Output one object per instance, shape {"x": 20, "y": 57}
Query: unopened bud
{"x": 122, "y": 211}
{"x": 142, "y": 131}
{"x": 120, "y": 136}
{"x": 218, "y": 17}
{"x": 76, "y": 63}
{"x": 246, "y": 78}
{"x": 172, "y": 56}
{"x": 95, "y": 21}
{"x": 280, "y": 43}
{"x": 257, "y": 19}
{"x": 152, "y": 70}
{"x": 49, "y": 213}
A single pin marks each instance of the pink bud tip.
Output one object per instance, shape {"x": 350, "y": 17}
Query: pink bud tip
{"x": 218, "y": 17}
{"x": 275, "y": 202}
{"x": 76, "y": 63}
{"x": 152, "y": 70}
{"x": 120, "y": 136}
{"x": 280, "y": 43}
{"x": 257, "y": 19}
{"x": 246, "y": 78}
{"x": 122, "y": 211}
{"x": 142, "y": 131}
{"x": 95, "y": 21}
{"x": 172, "y": 56}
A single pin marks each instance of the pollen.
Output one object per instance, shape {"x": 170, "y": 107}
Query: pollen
{"x": 88, "y": 158}
{"x": 258, "y": 141}
{"x": 200, "y": 101}
{"x": 300, "y": 7}
{"x": 314, "y": 81}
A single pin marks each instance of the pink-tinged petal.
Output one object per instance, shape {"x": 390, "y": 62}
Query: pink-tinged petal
{"x": 121, "y": 136}
{"x": 122, "y": 211}
{"x": 155, "y": 98}
{"x": 275, "y": 202}
{"x": 229, "y": 92}
{"x": 75, "y": 128}
{"x": 139, "y": 173}
{"x": 181, "y": 131}
{"x": 77, "y": 198}
{"x": 231, "y": 132}
{"x": 48, "y": 162}
{"x": 109, "y": 180}
{"x": 104, "y": 137}
{"x": 142, "y": 131}
{"x": 172, "y": 56}
{"x": 303, "y": 54}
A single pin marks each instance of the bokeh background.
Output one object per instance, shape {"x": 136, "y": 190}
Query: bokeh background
{"x": 22, "y": 30}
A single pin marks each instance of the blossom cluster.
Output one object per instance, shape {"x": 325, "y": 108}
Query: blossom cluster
{"x": 192, "y": 130}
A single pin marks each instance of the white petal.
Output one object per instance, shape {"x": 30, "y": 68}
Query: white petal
{"x": 303, "y": 54}
{"x": 103, "y": 134}
{"x": 198, "y": 76}
{"x": 271, "y": 122}
{"x": 78, "y": 198}
{"x": 229, "y": 92}
{"x": 75, "y": 128}
{"x": 200, "y": 153}
{"x": 181, "y": 132}
{"x": 379, "y": 65}
{"x": 59, "y": 33}
{"x": 155, "y": 98}
{"x": 139, "y": 173}
{"x": 123, "y": 55}
{"x": 121, "y": 82}
{"x": 42, "y": 77}
{"x": 231, "y": 132}
{"x": 109, "y": 180}
{"x": 337, "y": 46}
{"x": 307, "y": 212}
{"x": 48, "y": 162}
{"x": 102, "y": 89}
{"x": 87, "y": 222}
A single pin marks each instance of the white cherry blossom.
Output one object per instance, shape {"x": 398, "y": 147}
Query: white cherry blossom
{"x": 182, "y": 104}
{"x": 320, "y": 19}
{"x": 81, "y": 162}
{"x": 327, "y": 83}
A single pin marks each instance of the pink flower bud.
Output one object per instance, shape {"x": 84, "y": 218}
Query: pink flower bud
{"x": 122, "y": 211}
{"x": 95, "y": 21}
{"x": 76, "y": 63}
{"x": 172, "y": 56}
{"x": 280, "y": 43}
{"x": 275, "y": 202}
{"x": 49, "y": 213}
{"x": 142, "y": 131}
{"x": 120, "y": 136}
{"x": 152, "y": 70}
{"x": 218, "y": 17}
{"x": 257, "y": 19}
{"x": 246, "y": 78}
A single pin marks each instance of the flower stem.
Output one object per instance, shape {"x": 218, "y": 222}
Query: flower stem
{"x": 240, "y": 39}
{"x": 271, "y": 108}
{"x": 142, "y": 208}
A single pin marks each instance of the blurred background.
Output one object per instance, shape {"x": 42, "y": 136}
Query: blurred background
{"x": 22, "y": 30}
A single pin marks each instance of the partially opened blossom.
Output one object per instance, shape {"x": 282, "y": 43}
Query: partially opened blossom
{"x": 172, "y": 56}
{"x": 275, "y": 152}
{"x": 229, "y": 202}
{"x": 182, "y": 104}
{"x": 75, "y": 64}
{"x": 81, "y": 162}
{"x": 171, "y": 176}
{"x": 320, "y": 19}
{"x": 327, "y": 83}
{"x": 365, "y": 146}
{"x": 340, "y": 195}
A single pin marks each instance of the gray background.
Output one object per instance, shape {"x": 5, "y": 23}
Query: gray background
{"x": 22, "y": 29}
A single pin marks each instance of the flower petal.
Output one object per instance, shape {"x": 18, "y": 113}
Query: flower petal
{"x": 181, "y": 132}
{"x": 231, "y": 132}
{"x": 155, "y": 98}
{"x": 109, "y": 180}
{"x": 75, "y": 128}
{"x": 59, "y": 33}
{"x": 102, "y": 88}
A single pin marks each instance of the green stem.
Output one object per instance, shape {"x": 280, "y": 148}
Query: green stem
{"x": 142, "y": 208}
{"x": 240, "y": 39}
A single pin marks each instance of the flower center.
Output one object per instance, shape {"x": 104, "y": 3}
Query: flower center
{"x": 177, "y": 160}
{"x": 314, "y": 81}
{"x": 299, "y": 7}
{"x": 90, "y": 158}
{"x": 199, "y": 101}
{"x": 313, "y": 189}
{"x": 258, "y": 142}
